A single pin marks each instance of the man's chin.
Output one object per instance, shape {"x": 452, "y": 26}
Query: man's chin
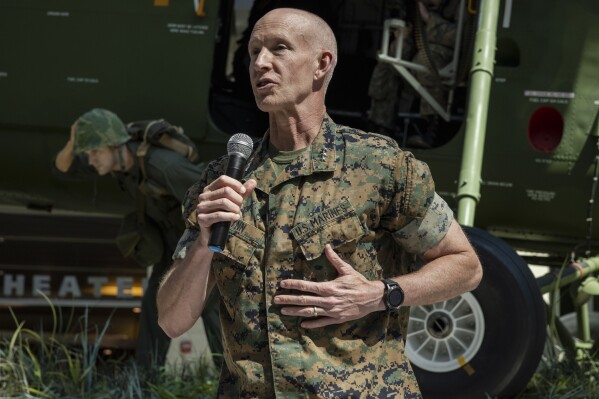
{"x": 265, "y": 103}
{"x": 266, "y": 106}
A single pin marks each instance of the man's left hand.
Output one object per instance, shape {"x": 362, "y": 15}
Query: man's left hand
{"x": 349, "y": 297}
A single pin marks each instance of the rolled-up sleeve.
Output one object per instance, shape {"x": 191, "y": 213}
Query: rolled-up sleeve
{"x": 417, "y": 217}
{"x": 188, "y": 210}
{"x": 423, "y": 233}
{"x": 186, "y": 240}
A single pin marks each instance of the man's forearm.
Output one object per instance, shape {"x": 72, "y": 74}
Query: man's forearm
{"x": 452, "y": 268}
{"x": 183, "y": 291}
{"x": 441, "y": 279}
{"x": 64, "y": 159}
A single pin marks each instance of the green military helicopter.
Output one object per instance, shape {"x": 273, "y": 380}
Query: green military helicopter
{"x": 516, "y": 152}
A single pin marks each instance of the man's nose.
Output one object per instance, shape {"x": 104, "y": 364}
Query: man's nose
{"x": 89, "y": 158}
{"x": 262, "y": 60}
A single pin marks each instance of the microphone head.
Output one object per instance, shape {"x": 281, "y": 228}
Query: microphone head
{"x": 241, "y": 144}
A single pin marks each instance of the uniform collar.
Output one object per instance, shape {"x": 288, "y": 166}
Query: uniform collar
{"x": 320, "y": 158}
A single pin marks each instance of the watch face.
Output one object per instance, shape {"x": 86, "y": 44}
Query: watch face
{"x": 395, "y": 298}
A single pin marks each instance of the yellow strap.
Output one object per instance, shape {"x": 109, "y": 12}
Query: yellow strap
{"x": 465, "y": 365}
{"x": 182, "y": 148}
{"x": 471, "y": 10}
{"x": 200, "y": 8}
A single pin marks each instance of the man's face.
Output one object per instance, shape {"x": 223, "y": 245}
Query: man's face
{"x": 282, "y": 62}
{"x": 102, "y": 159}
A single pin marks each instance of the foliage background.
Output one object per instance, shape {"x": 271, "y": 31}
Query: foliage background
{"x": 42, "y": 367}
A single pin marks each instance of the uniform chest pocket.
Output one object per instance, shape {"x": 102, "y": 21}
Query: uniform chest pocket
{"x": 236, "y": 268}
{"x": 244, "y": 239}
{"x": 338, "y": 226}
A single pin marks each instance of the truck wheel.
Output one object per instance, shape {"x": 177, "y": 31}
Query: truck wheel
{"x": 487, "y": 342}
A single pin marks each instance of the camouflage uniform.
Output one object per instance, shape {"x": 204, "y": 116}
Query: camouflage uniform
{"x": 368, "y": 199}
{"x": 386, "y": 86}
{"x": 172, "y": 172}
{"x": 441, "y": 34}
{"x": 387, "y": 90}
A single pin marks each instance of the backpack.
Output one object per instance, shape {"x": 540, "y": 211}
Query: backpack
{"x": 160, "y": 133}
{"x": 139, "y": 238}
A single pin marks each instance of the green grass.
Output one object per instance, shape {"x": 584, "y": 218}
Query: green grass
{"x": 563, "y": 375}
{"x": 31, "y": 368}
{"x": 33, "y": 365}
{"x": 566, "y": 370}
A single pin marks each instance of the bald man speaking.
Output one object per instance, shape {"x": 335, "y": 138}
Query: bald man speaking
{"x": 314, "y": 295}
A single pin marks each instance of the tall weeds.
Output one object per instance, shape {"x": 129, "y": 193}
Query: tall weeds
{"x": 33, "y": 365}
{"x": 563, "y": 377}
{"x": 564, "y": 372}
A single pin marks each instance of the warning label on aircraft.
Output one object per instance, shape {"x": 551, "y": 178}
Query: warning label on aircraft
{"x": 549, "y": 97}
{"x": 82, "y": 79}
{"x": 503, "y": 184}
{"x": 187, "y": 29}
{"x": 551, "y": 94}
{"x": 58, "y": 14}
{"x": 540, "y": 195}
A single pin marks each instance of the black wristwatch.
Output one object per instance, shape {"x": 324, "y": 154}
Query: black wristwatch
{"x": 394, "y": 295}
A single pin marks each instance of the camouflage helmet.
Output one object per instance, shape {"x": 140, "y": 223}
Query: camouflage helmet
{"x": 99, "y": 128}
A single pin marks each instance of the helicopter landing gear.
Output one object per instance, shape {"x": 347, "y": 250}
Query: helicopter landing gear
{"x": 487, "y": 342}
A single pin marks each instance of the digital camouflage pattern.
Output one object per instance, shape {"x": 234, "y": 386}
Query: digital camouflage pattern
{"x": 386, "y": 86}
{"x": 360, "y": 193}
{"x": 441, "y": 32}
{"x": 384, "y": 91}
{"x": 98, "y": 128}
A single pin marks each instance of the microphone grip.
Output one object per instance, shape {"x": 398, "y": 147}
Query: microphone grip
{"x": 235, "y": 166}
{"x": 220, "y": 230}
{"x": 218, "y": 236}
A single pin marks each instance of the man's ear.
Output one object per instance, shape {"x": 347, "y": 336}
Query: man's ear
{"x": 325, "y": 63}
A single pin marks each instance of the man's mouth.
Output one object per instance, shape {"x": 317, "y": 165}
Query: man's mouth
{"x": 263, "y": 83}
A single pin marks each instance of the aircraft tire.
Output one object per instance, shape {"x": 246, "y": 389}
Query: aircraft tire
{"x": 512, "y": 332}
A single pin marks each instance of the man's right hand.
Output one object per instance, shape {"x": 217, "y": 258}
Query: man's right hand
{"x": 221, "y": 202}
{"x": 72, "y": 137}
{"x": 65, "y": 157}
{"x": 188, "y": 283}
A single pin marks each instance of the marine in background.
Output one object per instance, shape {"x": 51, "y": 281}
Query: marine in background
{"x": 156, "y": 180}
{"x": 433, "y": 47}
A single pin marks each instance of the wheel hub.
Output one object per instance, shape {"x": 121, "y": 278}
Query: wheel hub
{"x": 444, "y": 336}
{"x": 439, "y": 325}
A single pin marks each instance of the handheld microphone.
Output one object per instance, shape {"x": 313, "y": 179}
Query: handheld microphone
{"x": 239, "y": 149}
